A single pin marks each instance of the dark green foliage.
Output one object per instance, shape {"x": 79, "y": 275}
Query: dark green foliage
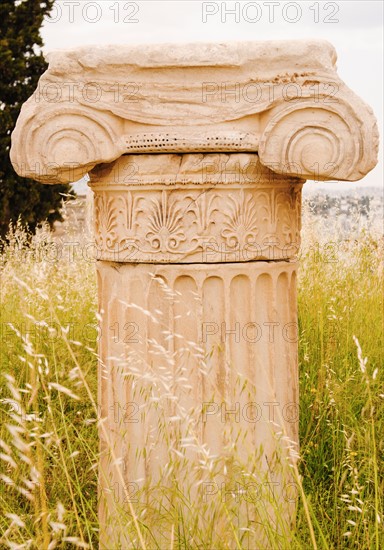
{"x": 21, "y": 64}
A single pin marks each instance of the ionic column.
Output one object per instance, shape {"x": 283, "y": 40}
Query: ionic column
{"x": 197, "y": 211}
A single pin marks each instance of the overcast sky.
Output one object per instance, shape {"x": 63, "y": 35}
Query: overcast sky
{"x": 355, "y": 28}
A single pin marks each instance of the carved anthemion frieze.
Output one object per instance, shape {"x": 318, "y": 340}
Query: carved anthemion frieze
{"x": 201, "y": 218}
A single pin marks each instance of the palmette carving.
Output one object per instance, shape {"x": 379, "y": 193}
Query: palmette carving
{"x": 241, "y": 228}
{"x": 203, "y": 210}
{"x": 106, "y": 215}
{"x": 165, "y": 225}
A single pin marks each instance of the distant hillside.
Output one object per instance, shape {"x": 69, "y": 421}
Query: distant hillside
{"x": 377, "y": 192}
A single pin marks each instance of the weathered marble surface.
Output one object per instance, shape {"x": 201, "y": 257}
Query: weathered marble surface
{"x": 194, "y": 208}
{"x": 281, "y": 99}
{"x": 212, "y": 372}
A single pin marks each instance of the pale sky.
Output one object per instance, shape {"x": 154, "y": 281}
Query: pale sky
{"x": 355, "y": 28}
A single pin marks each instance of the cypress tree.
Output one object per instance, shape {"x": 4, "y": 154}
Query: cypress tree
{"x": 21, "y": 65}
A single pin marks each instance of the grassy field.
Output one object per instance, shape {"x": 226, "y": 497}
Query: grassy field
{"x": 48, "y": 410}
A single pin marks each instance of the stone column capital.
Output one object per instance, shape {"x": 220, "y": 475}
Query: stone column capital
{"x": 281, "y": 99}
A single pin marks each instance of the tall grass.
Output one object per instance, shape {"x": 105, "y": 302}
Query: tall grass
{"x": 49, "y": 417}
